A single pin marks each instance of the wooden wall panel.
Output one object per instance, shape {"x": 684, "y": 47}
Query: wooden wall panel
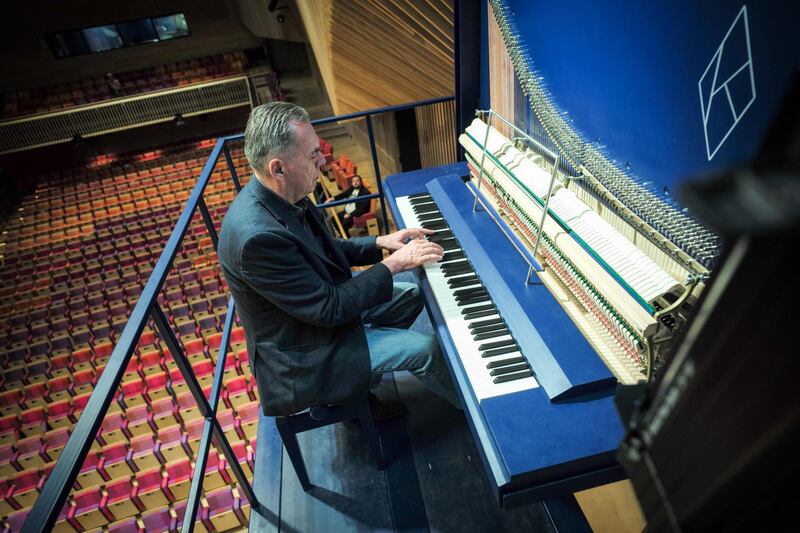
{"x": 437, "y": 136}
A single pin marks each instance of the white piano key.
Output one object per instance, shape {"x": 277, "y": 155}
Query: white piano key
{"x": 474, "y": 364}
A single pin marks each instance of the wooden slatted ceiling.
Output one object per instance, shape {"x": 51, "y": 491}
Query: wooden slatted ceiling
{"x": 374, "y": 53}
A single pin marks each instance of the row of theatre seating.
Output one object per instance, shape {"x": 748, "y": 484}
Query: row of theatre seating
{"x": 74, "y": 261}
{"x": 133, "y": 82}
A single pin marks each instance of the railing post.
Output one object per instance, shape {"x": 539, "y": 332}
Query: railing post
{"x": 212, "y": 231}
{"x": 235, "y": 177}
{"x": 378, "y": 180}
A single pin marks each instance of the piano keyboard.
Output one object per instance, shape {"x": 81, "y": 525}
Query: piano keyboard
{"x": 488, "y": 351}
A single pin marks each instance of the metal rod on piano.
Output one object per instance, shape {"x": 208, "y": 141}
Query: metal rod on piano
{"x": 524, "y": 134}
{"x": 511, "y": 239}
{"x": 546, "y": 204}
{"x": 483, "y": 158}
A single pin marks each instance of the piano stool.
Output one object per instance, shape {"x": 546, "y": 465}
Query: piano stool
{"x": 316, "y": 417}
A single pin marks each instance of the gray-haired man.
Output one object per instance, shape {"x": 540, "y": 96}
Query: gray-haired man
{"x": 303, "y": 312}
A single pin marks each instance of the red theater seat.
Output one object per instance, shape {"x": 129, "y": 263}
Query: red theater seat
{"x": 117, "y": 502}
{"x": 143, "y": 452}
{"x": 222, "y": 510}
{"x": 150, "y": 489}
{"x": 115, "y": 461}
{"x": 85, "y": 513}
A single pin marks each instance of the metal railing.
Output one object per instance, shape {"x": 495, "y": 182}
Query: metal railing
{"x": 54, "y": 494}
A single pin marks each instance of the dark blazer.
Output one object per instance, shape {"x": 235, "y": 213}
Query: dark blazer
{"x": 361, "y": 207}
{"x": 298, "y": 301}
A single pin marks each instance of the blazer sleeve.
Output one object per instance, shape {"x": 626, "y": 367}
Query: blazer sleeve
{"x": 274, "y": 266}
{"x": 360, "y": 250}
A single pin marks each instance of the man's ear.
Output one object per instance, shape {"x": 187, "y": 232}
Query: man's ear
{"x": 275, "y": 168}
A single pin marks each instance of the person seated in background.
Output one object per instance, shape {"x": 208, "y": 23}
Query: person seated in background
{"x": 355, "y": 209}
{"x": 114, "y": 84}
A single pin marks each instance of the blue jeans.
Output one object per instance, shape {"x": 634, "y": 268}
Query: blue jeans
{"x": 392, "y": 346}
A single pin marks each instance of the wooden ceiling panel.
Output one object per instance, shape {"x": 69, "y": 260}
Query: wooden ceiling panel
{"x": 374, "y": 53}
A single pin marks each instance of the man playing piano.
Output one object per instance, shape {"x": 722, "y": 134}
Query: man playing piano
{"x": 303, "y": 312}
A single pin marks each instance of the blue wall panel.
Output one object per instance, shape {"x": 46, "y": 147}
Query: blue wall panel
{"x": 630, "y": 76}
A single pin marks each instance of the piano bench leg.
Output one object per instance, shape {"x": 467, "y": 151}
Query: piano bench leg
{"x": 289, "y": 439}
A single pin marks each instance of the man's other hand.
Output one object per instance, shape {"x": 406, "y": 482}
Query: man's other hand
{"x": 416, "y": 253}
{"x": 398, "y": 239}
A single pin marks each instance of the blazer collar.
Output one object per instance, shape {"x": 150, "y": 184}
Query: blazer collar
{"x": 290, "y": 215}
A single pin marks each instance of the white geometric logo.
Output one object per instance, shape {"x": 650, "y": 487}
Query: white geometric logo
{"x": 727, "y": 87}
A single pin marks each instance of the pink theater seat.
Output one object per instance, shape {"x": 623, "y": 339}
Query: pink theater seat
{"x": 143, "y": 452}
{"x": 26, "y": 488}
{"x": 33, "y": 421}
{"x": 114, "y": 429}
{"x": 150, "y": 490}
{"x": 89, "y": 475}
{"x": 115, "y": 461}
{"x": 54, "y": 442}
{"x": 156, "y": 386}
{"x": 248, "y": 418}
{"x": 128, "y": 525}
{"x": 85, "y": 513}
{"x": 223, "y": 511}
{"x": 165, "y": 413}
{"x": 179, "y": 474}
{"x": 188, "y": 410}
{"x": 237, "y": 391}
{"x": 117, "y": 503}
{"x": 158, "y": 520}
{"x": 133, "y": 391}
{"x": 172, "y": 444}
{"x": 59, "y": 389}
{"x": 29, "y": 452}
{"x": 140, "y": 420}
{"x": 34, "y": 395}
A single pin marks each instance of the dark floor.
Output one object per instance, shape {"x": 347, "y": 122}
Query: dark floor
{"x": 435, "y": 480}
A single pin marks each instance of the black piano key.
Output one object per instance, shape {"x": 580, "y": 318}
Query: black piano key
{"x": 482, "y": 323}
{"x": 461, "y": 282}
{"x": 425, "y": 208}
{"x": 472, "y": 290}
{"x": 488, "y": 307}
{"x": 465, "y": 270}
{"x": 505, "y": 362}
{"x": 449, "y": 245}
{"x": 471, "y": 301}
{"x": 483, "y": 295}
{"x": 452, "y": 256}
{"x": 509, "y": 369}
{"x": 511, "y": 377}
{"x": 486, "y": 329}
{"x": 500, "y": 351}
{"x": 428, "y": 216}
{"x": 440, "y": 236}
{"x": 456, "y": 269}
{"x": 434, "y": 225}
{"x": 490, "y": 334}
{"x": 455, "y": 264}
{"x": 497, "y": 344}
{"x": 479, "y": 314}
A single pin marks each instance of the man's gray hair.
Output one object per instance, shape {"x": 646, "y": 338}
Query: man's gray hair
{"x": 269, "y": 132}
